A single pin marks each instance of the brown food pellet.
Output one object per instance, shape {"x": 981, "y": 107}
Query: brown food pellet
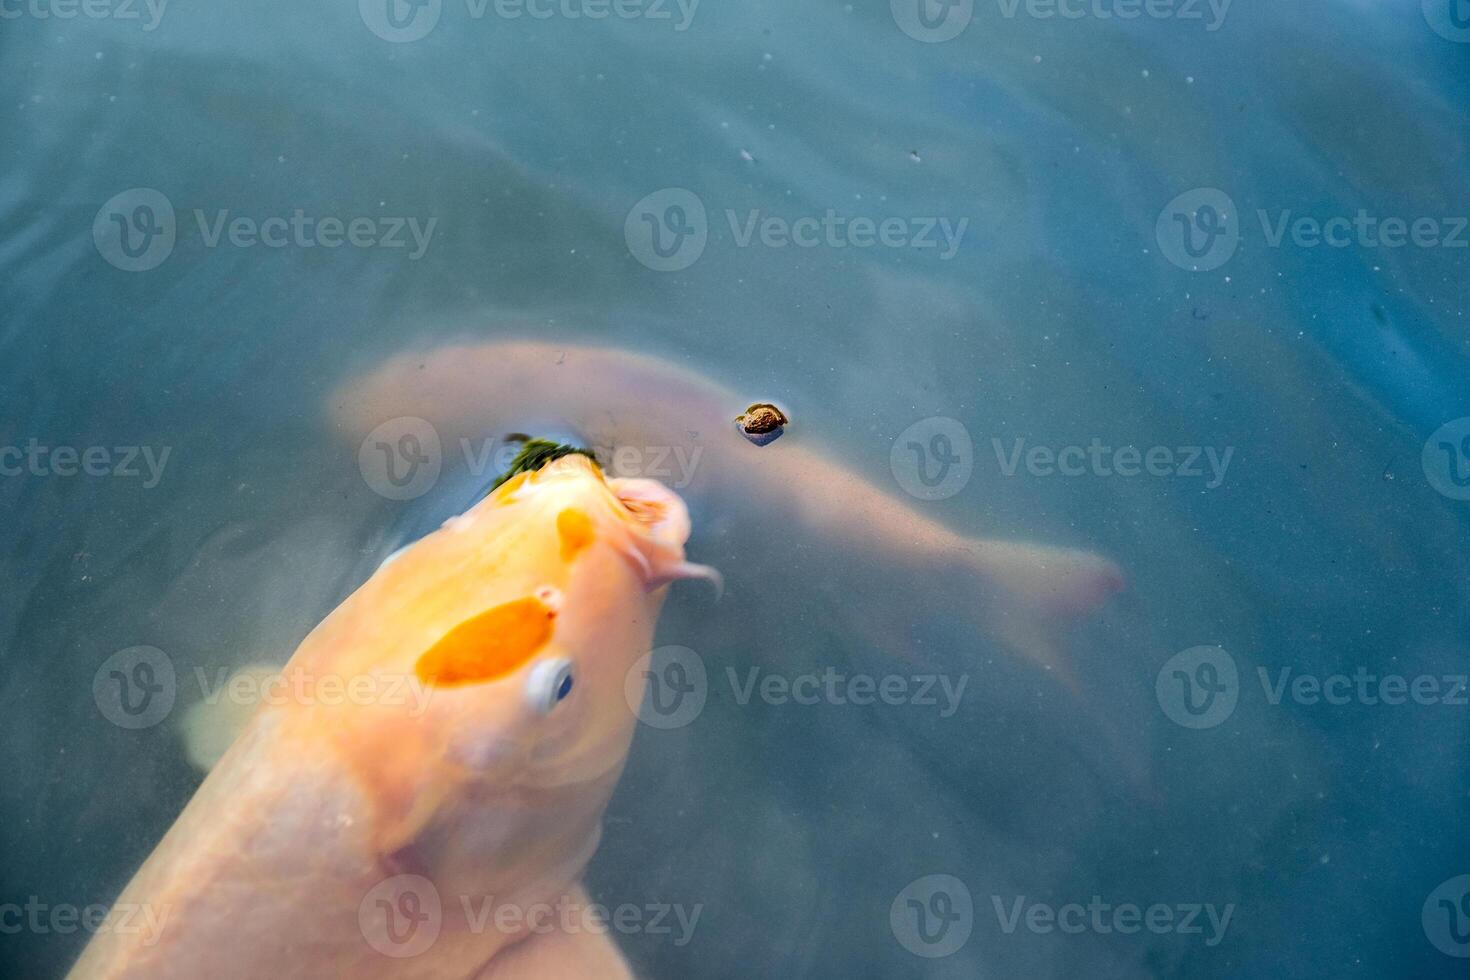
{"x": 762, "y": 418}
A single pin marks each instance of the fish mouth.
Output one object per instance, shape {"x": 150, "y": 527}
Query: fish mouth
{"x": 655, "y": 517}
{"x": 662, "y": 523}
{"x": 653, "y": 509}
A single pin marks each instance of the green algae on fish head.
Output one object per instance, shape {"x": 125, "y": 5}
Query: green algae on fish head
{"x": 536, "y": 453}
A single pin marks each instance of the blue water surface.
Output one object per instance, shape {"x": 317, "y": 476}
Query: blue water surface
{"x": 1120, "y": 278}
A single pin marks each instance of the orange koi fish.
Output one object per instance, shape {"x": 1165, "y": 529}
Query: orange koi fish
{"x": 412, "y": 836}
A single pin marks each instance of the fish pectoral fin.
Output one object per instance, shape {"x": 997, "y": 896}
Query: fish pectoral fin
{"x": 210, "y": 726}
{"x": 580, "y": 951}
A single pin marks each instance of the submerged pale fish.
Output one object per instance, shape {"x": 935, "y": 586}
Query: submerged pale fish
{"x": 469, "y": 775}
{"x": 674, "y": 423}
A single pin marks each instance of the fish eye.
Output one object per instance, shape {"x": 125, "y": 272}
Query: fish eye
{"x": 549, "y": 682}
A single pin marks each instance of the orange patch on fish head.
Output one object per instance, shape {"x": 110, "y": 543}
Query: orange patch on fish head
{"x": 488, "y": 646}
{"x": 574, "y": 529}
{"x": 507, "y": 490}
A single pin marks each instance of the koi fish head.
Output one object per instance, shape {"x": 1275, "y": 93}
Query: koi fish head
{"x": 579, "y": 563}
{"x": 519, "y": 622}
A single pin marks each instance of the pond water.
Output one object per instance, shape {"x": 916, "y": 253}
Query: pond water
{"x": 1182, "y": 285}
